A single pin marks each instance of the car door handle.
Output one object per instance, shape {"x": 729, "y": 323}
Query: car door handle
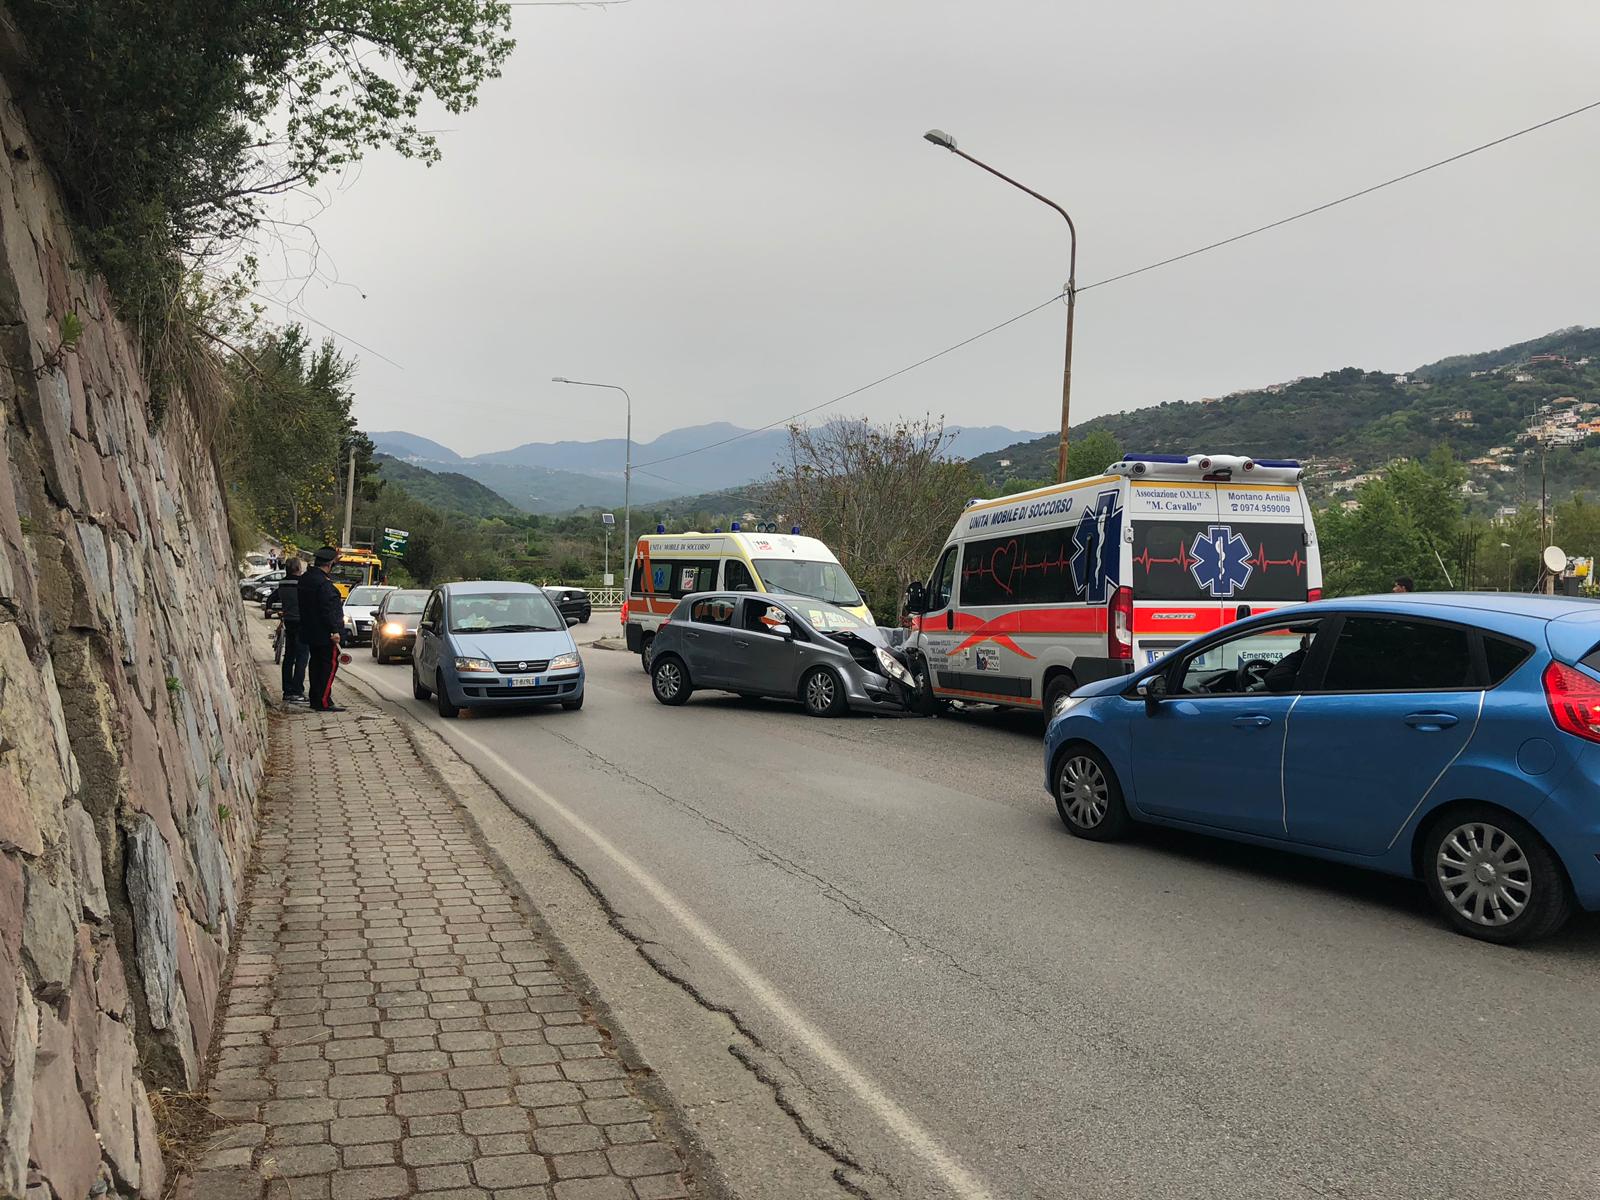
{"x": 741, "y": 643}
{"x": 691, "y": 635}
{"x": 1431, "y": 722}
{"x": 1253, "y": 721}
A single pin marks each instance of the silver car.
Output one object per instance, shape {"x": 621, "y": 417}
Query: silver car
{"x": 785, "y": 646}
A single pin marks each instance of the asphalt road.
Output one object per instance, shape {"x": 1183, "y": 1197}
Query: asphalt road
{"x": 979, "y": 1005}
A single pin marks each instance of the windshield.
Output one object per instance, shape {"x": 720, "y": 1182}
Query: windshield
{"x": 819, "y": 580}
{"x": 348, "y": 573}
{"x": 825, "y": 618}
{"x": 407, "y": 602}
{"x": 504, "y": 612}
{"x": 365, "y": 595}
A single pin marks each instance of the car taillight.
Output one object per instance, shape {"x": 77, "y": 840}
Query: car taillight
{"x": 1313, "y": 595}
{"x": 624, "y": 612}
{"x": 1574, "y": 700}
{"x": 1119, "y": 630}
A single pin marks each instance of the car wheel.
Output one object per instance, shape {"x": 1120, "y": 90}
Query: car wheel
{"x": 1088, "y": 796}
{"x": 572, "y": 705}
{"x": 441, "y": 701}
{"x": 646, "y": 649}
{"x": 417, "y": 690}
{"x": 1493, "y": 877}
{"x": 375, "y": 655}
{"x": 1056, "y": 693}
{"x": 822, "y": 693}
{"x": 670, "y": 681}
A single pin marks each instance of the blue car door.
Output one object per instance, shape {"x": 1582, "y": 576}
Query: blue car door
{"x": 1212, "y": 752}
{"x": 1397, "y": 703}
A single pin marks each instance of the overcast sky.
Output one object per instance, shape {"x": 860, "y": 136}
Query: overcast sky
{"x": 727, "y": 206}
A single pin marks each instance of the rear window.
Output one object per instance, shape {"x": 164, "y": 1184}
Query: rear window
{"x": 1377, "y": 654}
{"x": 1503, "y": 656}
{"x": 1190, "y": 561}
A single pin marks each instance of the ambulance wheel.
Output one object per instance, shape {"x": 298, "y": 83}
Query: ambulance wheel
{"x": 1056, "y": 693}
{"x": 823, "y": 694}
{"x": 924, "y": 703}
{"x": 670, "y": 681}
{"x": 646, "y": 648}
{"x": 1088, "y": 796}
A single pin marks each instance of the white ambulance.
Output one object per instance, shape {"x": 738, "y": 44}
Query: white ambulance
{"x": 1039, "y": 592}
{"x": 668, "y": 566}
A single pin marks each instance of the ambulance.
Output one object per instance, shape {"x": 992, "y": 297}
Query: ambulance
{"x": 1037, "y": 593}
{"x": 668, "y": 566}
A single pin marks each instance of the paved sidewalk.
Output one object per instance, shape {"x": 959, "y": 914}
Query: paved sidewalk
{"x": 395, "y": 1027}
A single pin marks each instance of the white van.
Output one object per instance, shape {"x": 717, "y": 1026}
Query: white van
{"x": 668, "y": 566}
{"x": 1039, "y": 592}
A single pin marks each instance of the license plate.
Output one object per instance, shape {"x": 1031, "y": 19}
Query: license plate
{"x": 526, "y": 681}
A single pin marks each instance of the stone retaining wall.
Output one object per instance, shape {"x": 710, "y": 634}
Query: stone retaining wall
{"x": 132, "y": 733}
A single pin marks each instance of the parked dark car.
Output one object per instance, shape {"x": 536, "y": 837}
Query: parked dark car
{"x": 394, "y": 623}
{"x": 571, "y": 602}
{"x": 257, "y": 585}
{"x": 785, "y": 646}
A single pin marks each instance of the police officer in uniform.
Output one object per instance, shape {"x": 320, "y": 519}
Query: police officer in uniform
{"x": 321, "y": 622}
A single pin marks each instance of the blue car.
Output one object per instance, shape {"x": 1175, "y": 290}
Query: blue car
{"x": 489, "y": 644}
{"x": 1451, "y": 738}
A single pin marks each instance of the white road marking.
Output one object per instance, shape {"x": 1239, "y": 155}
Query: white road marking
{"x": 902, "y": 1123}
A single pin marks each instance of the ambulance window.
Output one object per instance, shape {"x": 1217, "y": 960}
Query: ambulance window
{"x": 661, "y": 572}
{"x": 736, "y": 576}
{"x": 695, "y": 577}
{"x": 944, "y": 580}
{"x": 638, "y": 577}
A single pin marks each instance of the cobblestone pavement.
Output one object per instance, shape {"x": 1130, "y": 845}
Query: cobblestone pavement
{"x": 394, "y": 1026}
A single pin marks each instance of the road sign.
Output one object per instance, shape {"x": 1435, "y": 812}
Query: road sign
{"x": 608, "y": 518}
{"x": 394, "y": 541}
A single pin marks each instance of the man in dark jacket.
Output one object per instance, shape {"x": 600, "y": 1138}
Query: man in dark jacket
{"x": 321, "y": 622}
{"x": 295, "y": 649}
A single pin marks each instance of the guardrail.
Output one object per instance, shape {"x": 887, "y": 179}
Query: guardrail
{"x": 605, "y": 597}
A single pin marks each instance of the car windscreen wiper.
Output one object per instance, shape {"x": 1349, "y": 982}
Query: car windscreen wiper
{"x": 518, "y": 629}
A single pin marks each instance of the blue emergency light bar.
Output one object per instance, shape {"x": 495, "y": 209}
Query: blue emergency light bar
{"x": 1277, "y": 462}
{"x": 661, "y": 528}
{"x": 735, "y": 527}
{"x": 1156, "y": 458}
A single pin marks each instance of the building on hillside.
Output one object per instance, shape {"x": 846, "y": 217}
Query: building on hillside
{"x": 1463, "y": 415}
{"x": 1522, "y": 377}
{"x": 1351, "y": 505}
{"x": 1005, "y": 462}
{"x": 1351, "y": 484}
{"x": 1402, "y": 379}
{"x": 1547, "y": 360}
{"x": 1505, "y": 512}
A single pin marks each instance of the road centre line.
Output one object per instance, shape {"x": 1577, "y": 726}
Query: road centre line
{"x": 898, "y": 1120}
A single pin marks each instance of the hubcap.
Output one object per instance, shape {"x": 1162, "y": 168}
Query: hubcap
{"x": 668, "y": 681}
{"x": 1484, "y": 874}
{"x": 1084, "y": 791}
{"x": 820, "y": 691}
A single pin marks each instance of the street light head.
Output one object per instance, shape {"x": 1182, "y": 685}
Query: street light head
{"x": 940, "y": 138}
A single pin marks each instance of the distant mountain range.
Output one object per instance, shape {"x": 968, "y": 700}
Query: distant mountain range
{"x": 1489, "y": 408}
{"x": 551, "y": 477}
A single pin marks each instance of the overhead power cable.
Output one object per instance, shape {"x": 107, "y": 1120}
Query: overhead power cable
{"x": 1228, "y": 241}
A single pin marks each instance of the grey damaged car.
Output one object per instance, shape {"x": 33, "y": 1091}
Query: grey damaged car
{"x": 783, "y": 646}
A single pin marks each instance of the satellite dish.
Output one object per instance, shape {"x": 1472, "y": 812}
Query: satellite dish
{"x": 1555, "y": 559}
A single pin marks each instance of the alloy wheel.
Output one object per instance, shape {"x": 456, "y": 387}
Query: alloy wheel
{"x": 669, "y": 680}
{"x": 1084, "y": 791}
{"x": 1484, "y": 873}
{"x": 820, "y": 692}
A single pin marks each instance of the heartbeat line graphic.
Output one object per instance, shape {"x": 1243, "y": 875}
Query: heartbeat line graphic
{"x": 1182, "y": 560}
{"x": 1262, "y": 563}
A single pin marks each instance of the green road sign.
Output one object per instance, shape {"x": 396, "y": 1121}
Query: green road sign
{"x": 394, "y": 541}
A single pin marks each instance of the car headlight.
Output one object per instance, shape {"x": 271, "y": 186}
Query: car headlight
{"x": 475, "y": 666}
{"x": 566, "y": 662}
{"x": 393, "y": 629}
{"x": 892, "y": 668}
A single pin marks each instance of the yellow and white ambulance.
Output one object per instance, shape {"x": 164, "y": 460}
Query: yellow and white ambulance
{"x": 1037, "y": 593}
{"x": 669, "y": 566}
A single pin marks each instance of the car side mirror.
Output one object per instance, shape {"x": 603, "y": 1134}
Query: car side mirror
{"x": 1152, "y": 691}
{"x": 571, "y": 621}
{"x": 783, "y": 631}
{"x": 916, "y": 597}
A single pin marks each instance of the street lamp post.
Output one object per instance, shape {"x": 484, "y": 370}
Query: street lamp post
{"x": 627, "y": 469}
{"x": 940, "y": 138}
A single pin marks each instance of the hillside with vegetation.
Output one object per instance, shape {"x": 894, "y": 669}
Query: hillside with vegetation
{"x": 1351, "y": 422}
{"x": 448, "y": 491}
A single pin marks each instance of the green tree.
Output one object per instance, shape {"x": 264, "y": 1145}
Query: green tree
{"x": 1091, "y": 453}
{"x": 1409, "y": 523}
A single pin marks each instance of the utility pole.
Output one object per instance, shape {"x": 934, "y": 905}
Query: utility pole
{"x": 349, "y": 497}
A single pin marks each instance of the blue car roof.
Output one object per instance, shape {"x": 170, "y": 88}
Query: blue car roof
{"x": 1533, "y": 607}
